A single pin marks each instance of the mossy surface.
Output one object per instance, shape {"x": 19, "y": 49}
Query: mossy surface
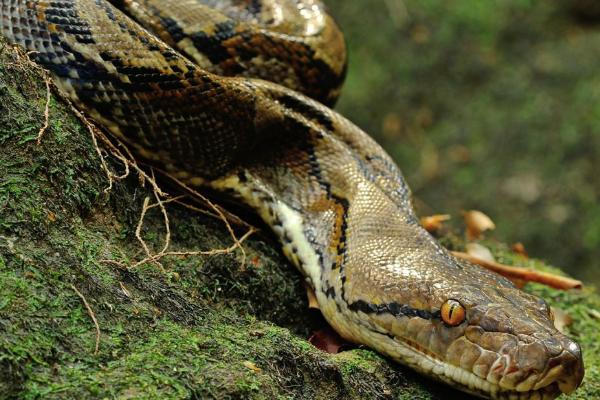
{"x": 206, "y": 328}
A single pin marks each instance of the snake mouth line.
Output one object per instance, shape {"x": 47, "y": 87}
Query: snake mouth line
{"x": 468, "y": 381}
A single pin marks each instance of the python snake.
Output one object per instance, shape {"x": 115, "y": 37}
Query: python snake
{"x": 188, "y": 98}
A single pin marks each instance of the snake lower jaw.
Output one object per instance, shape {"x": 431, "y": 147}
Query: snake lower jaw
{"x": 466, "y": 381}
{"x": 473, "y": 384}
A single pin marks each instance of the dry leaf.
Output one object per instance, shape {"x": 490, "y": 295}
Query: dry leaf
{"x": 519, "y": 283}
{"x": 459, "y": 154}
{"x": 251, "y": 366}
{"x": 124, "y": 289}
{"x": 517, "y": 274}
{"x": 594, "y": 313}
{"x": 477, "y": 223}
{"x": 561, "y": 319}
{"x": 433, "y": 223}
{"x": 329, "y": 341}
{"x": 51, "y": 216}
{"x": 519, "y": 248}
{"x": 420, "y": 34}
{"x": 392, "y": 126}
{"x": 257, "y": 333}
{"x": 312, "y": 298}
{"x": 480, "y": 251}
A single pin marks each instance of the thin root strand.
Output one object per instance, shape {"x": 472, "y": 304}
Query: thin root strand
{"x": 92, "y": 316}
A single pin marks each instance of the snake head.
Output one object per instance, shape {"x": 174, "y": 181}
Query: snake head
{"x": 508, "y": 345}
{"x": 460, "y": 324}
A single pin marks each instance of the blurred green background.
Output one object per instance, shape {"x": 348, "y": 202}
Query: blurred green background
{"x": 491, "y": 105}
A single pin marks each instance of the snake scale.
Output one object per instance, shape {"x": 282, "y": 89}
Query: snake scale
{"x": 213, "y": 97}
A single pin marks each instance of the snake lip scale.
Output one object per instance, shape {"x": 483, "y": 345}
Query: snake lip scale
{"x": 233, "y": 95}
{"x": 473, "y": 384}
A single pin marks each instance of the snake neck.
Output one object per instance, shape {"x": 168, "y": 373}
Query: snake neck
{"x": 337, "y": 203}
{"x": 342, "y": 213}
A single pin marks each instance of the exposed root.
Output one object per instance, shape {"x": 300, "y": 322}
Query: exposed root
{"x": 170, "y": 200}
{"x": 160, "y": 203}
{"x": 128, "y": 160}
{"x": 219, "y": 212}
{"x": 163, "y": 210}
{"x": 196, "y": 209}
{"x": 159, "y": 196}
{"x": 138, "y": 235}
{"x": 164, "y": 252}
{"x": 46, "y": 112}
{"x": 523, "y": 274}
{"x": 95, "y": 133}
{"x": 124, "y": 155}
{"x": 22, "y": 62}
{"x": 92, "y": 316}
{"x": 213, "y": 252}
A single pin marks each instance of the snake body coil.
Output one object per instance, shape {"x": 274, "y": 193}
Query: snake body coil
{"x": 334, "y": 198}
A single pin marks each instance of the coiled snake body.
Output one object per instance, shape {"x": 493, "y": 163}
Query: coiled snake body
{"x": 334, "y": 198}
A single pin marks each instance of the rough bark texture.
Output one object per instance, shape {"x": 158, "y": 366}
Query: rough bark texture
{"x": 205, "y": 328}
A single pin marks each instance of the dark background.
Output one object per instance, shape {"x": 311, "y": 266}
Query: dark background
{"x": 487, "y": 105}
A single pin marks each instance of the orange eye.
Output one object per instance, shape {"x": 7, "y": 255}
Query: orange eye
{"x": 453, "y": 313}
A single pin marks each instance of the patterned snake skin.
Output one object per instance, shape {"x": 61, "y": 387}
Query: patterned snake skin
{"x": 334, "y": 198}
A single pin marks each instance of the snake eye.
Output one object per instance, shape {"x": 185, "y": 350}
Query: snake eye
{"x": 453, "y": 313}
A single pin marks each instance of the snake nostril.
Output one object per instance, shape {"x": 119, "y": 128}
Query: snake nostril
{"x": 553, "y": 345}
{"x": 573, "y": 348}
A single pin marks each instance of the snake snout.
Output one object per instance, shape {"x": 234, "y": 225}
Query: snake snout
{"x": 524, "y": 357}
{"x": 571, "y": 360}
{"x": 557, "y": 369}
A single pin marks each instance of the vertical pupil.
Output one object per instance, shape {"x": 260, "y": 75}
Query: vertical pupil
{"x": 451, "y": 311}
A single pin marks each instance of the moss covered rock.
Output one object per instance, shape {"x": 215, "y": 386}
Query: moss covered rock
{"x": 205, "y": 327}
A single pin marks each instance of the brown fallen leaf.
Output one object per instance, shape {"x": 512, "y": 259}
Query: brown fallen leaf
{"x": 477, "y": 223}
{"x": 255, "y": 261}
{"x": 329, "y": 341}
{"x": 594, "y": 313}
{"x": 126, "y": 292}
{"x": 519, "y": 283}
{"x": 523, "y": 274}
{"x": 29, "y": 275}
{"x": 480, "y": 251}
{"x": 434, "y": 223}
{"x": 251, "y": 366}
{"x": 420, "y": 34}
{"x": 312, "y": 298}
{"x": 459, "y": 154}
{"x": 561, "y": 319}
{"x": 519, "y": 248}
